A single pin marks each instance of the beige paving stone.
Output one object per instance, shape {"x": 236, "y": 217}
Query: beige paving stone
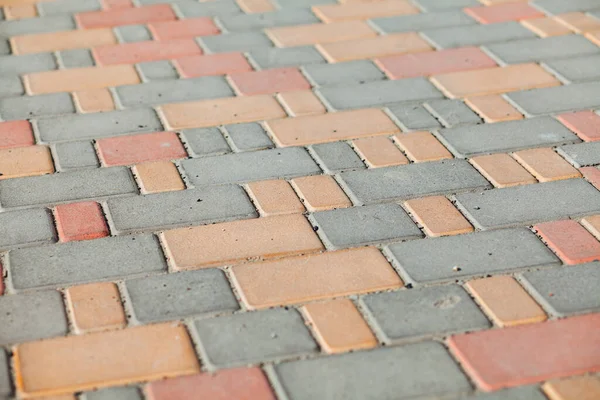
{"x": 158, "y": 177}
{"x": 320, "y": 192}
{"x": 360, "y": 10}
{"x": 66, "y": 40}
{"x": 303, "y": 35}
{"x": 438, "y": 216}
{"x": 502, "y": 170}
{"x": 546, "y": 165}
{"x": 95, "y": 307}
{"x": 275, "y": 197}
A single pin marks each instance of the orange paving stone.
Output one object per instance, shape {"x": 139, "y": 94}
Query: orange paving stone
{"x": 303, "y": 35}
{"x": 79, "y": 79}
{"x": 594, "y": 37}
{"x": 321, "y": 192}
{"x": 380, "y": 46}
{"x": 434, "y": 62}
{"x": 493, "y": 2}
{"x": 59, "y": 397}
{"x": 15, "y": 134}
{"x": 76, "y": 363}
{"x": 494, "y": 80}
{"x": 379, "y": 151}
{"x": 502, "y": 170}
{"x": 256, "y": 6}
{"x": 592, "y": 224}
{"x": 575, "y": 388}
{"x": 94, "y": 100}
{"x": 130, "y": 53}
{"x": 211, "y": 64}
{"x": 546, "y": 165}
{"x": 503, "y": 13}
{"x": 592, "y": 175}
{"x": 127, "y": 150}
{"x": 186, "y": 28}
{"x": 330, "y": 127}
{"x": 301, "y": 103}
{"x": 493, "y": 108}
{"x": 234, "y": 110}
{"x": 56, "y": 41}
{"x": 95, "y": 307}
{"x": 25, "y": 161}
{"x": 339, "y": 326}
{"x": 20, "y": 12}
{"x": 237, "y": 241}
{"x": 585, "y": 124}
{"x": 125, "y": 16}
{"x": 238, "y": 383}
{"x": 268, "y": 81}
{"x": 530, "y": 353}
{"x": 438, "y": 216}
{"x": 570, "y": 241}
{"x": 158, "y": 177}
{"x": 275, "y": 197}
{"x": 505, "y": 301}
{"x": 116, "y": 4}
{"x": 578, "y": 22}
{"x": 340, "y": 12}
{"x": 422, "y": 146}
{"x": 80, "y": 221}
{"x": 545, "y": 27}
{"x": 314, "y": 277}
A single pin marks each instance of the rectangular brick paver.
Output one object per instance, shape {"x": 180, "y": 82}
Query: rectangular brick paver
{"x": 211, "y": 64}
{"x": 359, "y": 10}
{"x": 570, "y": 241}
{"x": 502, "y": 170}
{"x": 80, "y": 221}
{"x": 128, "y": 16}
{"x": 186, "y": 28}
{"x": 379, "y": 152}
{"x": 586, "y": 124}
{"x": 130, "y": 53}
{"x": 582, "y": 387}
{"x": 127, "y": 150}
{"x": 158, "y": 176}
{"x": 319, "y": 193}
{"x": 493, "y": 108}
{"x": 546, "y": 165}
{"x": 15, "y": 134}
{"x": 95, "y": 307}
{"x": 275, "y": 197}
{"x": 553, "y": 100}
{"x": 301, "y": 103}
{"x": 268, "y": 81}
{"x": 65, "y": 40}
{"x": 25, "y": 161}
{"x": 303, "y": 35}
{"x": 438, "y": 216}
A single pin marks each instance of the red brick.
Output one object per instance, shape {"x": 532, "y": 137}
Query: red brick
{"x": 531, "y": 353}
{"x": 503, "y": 13}
{"x": 80, "y": 221}
{"x": 185, "y": 28}
{"x": 268, "y": 81}
{"x": 571, "y": 241}
{"x": 592, "y": 174}
{"x": 15, "y": 134}
{"x": 586, "y": 124}
{"x": 211, "y": 64}
{"x": 238, "y": 383}
{"x": 116, "y": 4}
{"x": 127, "y": 150}
{"x": 125, "y": 16}
{"x": 131, "y": 53}
{"x": 434, "y": 62}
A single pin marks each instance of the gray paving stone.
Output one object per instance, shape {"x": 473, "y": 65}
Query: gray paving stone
{"x": 205, "y": 141}
{"x": 74, "y": 155}
{"x": 27, "y": 63}
{"x": 132, "y": 33}
{"x": 582, "y": 154}
{"x": 259, "y": 21}
{"x": 249, "y": 136}
{"x": 27, "y": 26}
{"x": 251, "y": 166}
{"x": 336, "y": 157}
{"x": 468, "y": 141}
{"x": 301, "y": 3}
{"x": 423, "y": 369}
{"x": 576, "y": 69}
{"x": 98, "y": 125}
{"x": 11, "y": 86}
{"x": 253, "y": 337}
{"x": 378, "y": 93}
{"x": 66, "y": 186}
{"x": 410, "y": 181}
{"x": 4, "y": 47}
{"x": 119, "y": 393}
{"x": 5, "y": 386}
{"x": 418, "y": 22}
{"x": 529, "y": 204}
{"x": 26, "y": 227}
{"x": 475, "y": 35}
{"x": 180, "y": 295}
{"x": 528, "y": 50}
{"x": 34, "y": 106}
{"x": 412, "y": 117}
{"x": 275, "y": 57}
{"x": 519, "y": 393}
{"x": 1, "y": 15}
{"x": 432, "y": 5}
{"x": 156, "y": 70}
{"x": 425, "y": 311}
{"x": 476, "y": 254}
{"x": 191, "y": 8}
{"x": 452, "y": 112}
{"x": 566, "y": 290}
{"x": 238, "y": 41}
{"x": 351, "y": 72}
{"x": 32, "y": 316}
{"x": 355, "y": 226}
{"x": 554, "y": 7}
{"x": 179, "y": 208}
{"x": 576, "y": 96}
{"x": 68, "y": 6}
{"x": 76, "y": 58}
{"x": 85, "y": 261}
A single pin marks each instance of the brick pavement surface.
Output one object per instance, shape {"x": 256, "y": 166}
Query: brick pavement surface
{"x": 299, "y": 199}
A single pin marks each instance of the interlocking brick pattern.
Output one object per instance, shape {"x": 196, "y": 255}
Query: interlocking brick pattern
{"x": 299, "y": 199}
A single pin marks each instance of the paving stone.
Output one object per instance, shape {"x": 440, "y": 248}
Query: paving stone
{"x": 205, "y": 141}
{"x": 350, "y": 72}
{"x": 251, "y": 22}
{"x": 381, "y": 93}
{"x": 554, "y": 7}
{"x": 476, "y": 35}
{"x": 11, "y": 86}
{"x": 419, "y": 22}
{"x": 4, "y": 47}
{"x": 66, "y": 186}
{"x": 5, "y": 386}
{"x": 438, "y": 216}
{"x": 27, "y": 63}
{"x": 528, "y": 204}
{"x": 336, "y": 157}
{"x": 493, "y": 108}
{"x": 452, "y": 112}
{"x": 468, "y": 141}
{"x": 193, "y": 9}
{"x": 95, "y": 307}
{"x": 85, "y": 261}
{"x": 541, "y": 49}
{"x": 576, "y": 96}
{"x": 118, "y": 393}
{"x": 26, "y": 227}
{"x": 34, "y": 106}
{"x": 68, "y": 6}
{"x": 249, "y": 136}
{"x": 320, "y": 192}
{"x": 180, "y": 208}
{"x": 32, "y": 316}
{"x": 98, "y": 125}
{"x": 472, "y": 254}
{"x": 74, "y": 155}
{"x": 125, "y": 16}
{"x": 237, "y": 41}
{"x": 357, "y": 226}
{"x": 157, "y": 70}
{"x": 180, "y": 295}
{"x": 266, "y": 58}
{"x": 301, "y": 3}
{"x": 521, "y": 393}
{"x": 251, "y": 166}
{"x": 76, "y": 58}
{"x": 423, "y": 369}
{"x": 132, "y": 33}
{"x": 432, "y": 5}
{"x": 36, "y": 25}
{"x": 576, "y": 69}
{"x": 268, "y": 81}
{"x": 566, "y": 290}
{"x": 410, "y": 181}
{"x": 425, "y": 311}
{"x": 250, "y": 338}
{"x": 582, "y": 154}
{"x": 413, "y": 117}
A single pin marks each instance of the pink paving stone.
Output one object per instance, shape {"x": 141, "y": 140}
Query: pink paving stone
{"x": 269, "y": 81}
{"x": 80, "y": 221}
{"x": 239, "y": 384}
{"x": 531, "y": 353}
{"x": 570, "y": 241}
{"x": 15, "y": 134}
{"x": 503, "y": 13}
{"x": 128, "y": 150}
{"x": 434, "y": 62}
{"x": 185, "y": 28}
{"x": 585, "y": 124}
{"x": 131, "y": 53}
{"x": 125, "y": 16}
{"x": 116, "y": 4}
{"x": 592, "y": 174}
{"x": 212, "y": 64}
